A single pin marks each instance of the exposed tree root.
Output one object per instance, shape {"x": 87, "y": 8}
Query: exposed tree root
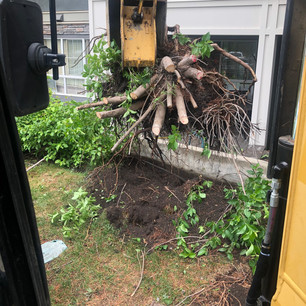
{"x": 217, "y": 113}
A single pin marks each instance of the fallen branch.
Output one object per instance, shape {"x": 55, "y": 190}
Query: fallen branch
{"x": 159, "y": 118}
{"x": 191, "y": 295}
{"x": 119, "y": 111}
{"x": 168, "y": 189}
{"x": 167, "y": 64}
{"x": 169, "y": 95}
{"x": 141, "y": 271}
{"x": 180, "y": 106}
{"x": 170, "y": 240}
{"x": 187, "y": 61}
{"x": 36, "y": 164}
{"x": 111, "y": 100}
{"x": 142, "y": 90}
{"x": 141, "y": 118}
{"x": 179, "y": 79}
{"x": 235, "y": 59}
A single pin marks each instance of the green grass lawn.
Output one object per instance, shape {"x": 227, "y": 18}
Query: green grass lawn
{"x": 99, "y": 266}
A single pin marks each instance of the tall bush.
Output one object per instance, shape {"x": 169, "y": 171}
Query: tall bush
{"x": 68, "y": 137}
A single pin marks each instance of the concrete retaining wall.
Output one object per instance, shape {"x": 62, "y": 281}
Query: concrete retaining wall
{"x": 220, "y": 166}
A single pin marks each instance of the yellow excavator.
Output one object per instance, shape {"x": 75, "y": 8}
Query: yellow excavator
{"x": 139, "y": 28}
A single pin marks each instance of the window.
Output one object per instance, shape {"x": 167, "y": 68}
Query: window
{"x": 244, "y": 48}
{"x": 70, "y": 76}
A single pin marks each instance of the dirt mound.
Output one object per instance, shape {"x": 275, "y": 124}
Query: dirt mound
{"x": 143, "y": 199}
{"x": 140, "y": 198}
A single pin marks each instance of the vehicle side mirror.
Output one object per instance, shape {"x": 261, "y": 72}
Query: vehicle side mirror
{"x": 24, "y": 58}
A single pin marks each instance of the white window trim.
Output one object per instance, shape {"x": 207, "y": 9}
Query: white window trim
{"x": 67, "y": 76}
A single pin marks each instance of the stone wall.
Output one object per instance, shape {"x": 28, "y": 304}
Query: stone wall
{"x": 69, "y": 29}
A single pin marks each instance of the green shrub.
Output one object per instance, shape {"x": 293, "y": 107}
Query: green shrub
{"x": 69, "y": 137}
{"x": 103, "y": 61}
{"x": 243, "y": 226}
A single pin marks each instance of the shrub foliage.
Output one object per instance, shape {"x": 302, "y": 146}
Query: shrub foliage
{"x": 68, "y": 137}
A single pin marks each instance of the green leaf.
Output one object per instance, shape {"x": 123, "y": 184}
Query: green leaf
{"x": 230, "y": 256}
{"x": 207, "y": 184}
{"x": 203, "y": 251}
{"x": 201, "y": 229}
{"x": 250, "y": 250}
{"x": 202, "y": 195}
{"x": 242, "y": 230}
{"x": 183, "y": 228}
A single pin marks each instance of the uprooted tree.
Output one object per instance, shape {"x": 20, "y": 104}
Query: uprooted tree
{"x": 184, "y": 89}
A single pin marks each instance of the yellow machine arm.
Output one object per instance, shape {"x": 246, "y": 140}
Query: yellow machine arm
{"x": 138, "y": 34}
{"x": 138, "y": 27}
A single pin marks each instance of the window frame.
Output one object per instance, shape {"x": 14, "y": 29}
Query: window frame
{"x": 64, "y": 76}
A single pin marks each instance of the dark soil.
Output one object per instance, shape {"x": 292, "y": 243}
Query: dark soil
{"x": 146, "y": 195}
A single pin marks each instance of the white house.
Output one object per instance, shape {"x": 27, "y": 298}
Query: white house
{"x": 251, "y": 25}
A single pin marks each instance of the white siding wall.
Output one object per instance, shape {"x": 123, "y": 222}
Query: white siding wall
{"x": 264, "y": 18}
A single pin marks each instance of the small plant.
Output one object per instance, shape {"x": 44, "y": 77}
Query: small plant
{"x": 203, "y": 47}
{"x": 182, "y": 39}
{"x": 173, "y": 138}
{"x": 73, "y": 217}
{"x": 190, "y": 218}
{"x": 163, "y": 247}
{"x": 206, "y": 151}
{"x": 243, "y": 227}
{"x": 129, "y": 114}
{"x": 137, "y": 77}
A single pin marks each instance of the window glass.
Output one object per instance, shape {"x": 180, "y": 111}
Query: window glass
{"x": 67, "y": 84}
{"x": 56, "y": 86}
{"x": 73, "y": 50}
{"x": 60, "y": 85}
{"x": 75, "y": 86}
{"x": 246, "y": 50}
